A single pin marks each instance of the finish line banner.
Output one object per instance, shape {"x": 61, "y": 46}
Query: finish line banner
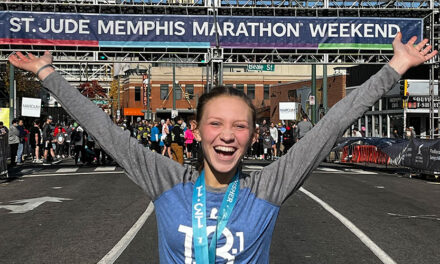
{"x": 172, "y": 31}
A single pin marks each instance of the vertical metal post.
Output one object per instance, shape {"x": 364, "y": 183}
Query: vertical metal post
{"x": 148, "y": 93}
{"x": 208, "y": 71}
{"x": 388, "y": 126}
{"x": 174, "y": 86}
{"x": 211, "y": 73}
{"x": 431, "y": 102}
{"x": 314, "y": 93}
{"x": 11, "y": 93}
{"x": 380, "y": 119}
{"x": 324, "y": 88}
{"x": 366, "y": 126}
{"x": 119, "y": 96}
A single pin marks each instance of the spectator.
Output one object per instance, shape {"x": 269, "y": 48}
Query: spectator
{"x": 189, "y": 141}
{"x": 395, "y": 134}
{"x": 3, "y": 130}
{"x": 14, "y": 140}
{"x": 22, "y": 142}
{"x": 274, "y": 134}
{"x": 78, "y": 143}
{"x": 47, "y": 142}
{"x": 303, "y": 127}
{"x": 356, "y": 133}
{"x": 155, "y": 139}
{"x": 177, "y": 140}
{"x": 60, "y": 134}
{"x": 267, "y": 145}
{"x": 166, "y": 138}
{"x": 36, "y": 141}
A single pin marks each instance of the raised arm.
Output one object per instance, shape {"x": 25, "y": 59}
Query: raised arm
{"x": 281, "y": 178}
{"x": 152, "y": 172}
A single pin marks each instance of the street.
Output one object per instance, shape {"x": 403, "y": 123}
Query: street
{"x": 66, "y": 214}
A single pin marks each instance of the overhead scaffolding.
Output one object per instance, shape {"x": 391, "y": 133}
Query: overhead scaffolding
{"x": 79, "y": 63}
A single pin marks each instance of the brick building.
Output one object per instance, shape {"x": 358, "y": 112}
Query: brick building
{"x": 191, "y": 82}
{"x": 299, "y": 92}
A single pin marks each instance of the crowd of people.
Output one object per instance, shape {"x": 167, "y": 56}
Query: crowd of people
{"x": 48, "y": 143}
{"x": 272, "y": 141}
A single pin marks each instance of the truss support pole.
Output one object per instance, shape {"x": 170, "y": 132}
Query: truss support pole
{"x": 314, "y": 120}
{"x": 11, "y": 94}
{"x": 324, "y": 88}
{"x": 431, "y": 101}
{"x": 174, "y": 86}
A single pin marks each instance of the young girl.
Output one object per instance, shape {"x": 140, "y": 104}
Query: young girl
{"x": 220, "y": 214}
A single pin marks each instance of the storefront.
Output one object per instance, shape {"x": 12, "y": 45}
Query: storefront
{"x": 390, "y": 113}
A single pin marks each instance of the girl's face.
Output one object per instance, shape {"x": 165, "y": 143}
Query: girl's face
{"x": 225, "y": 129}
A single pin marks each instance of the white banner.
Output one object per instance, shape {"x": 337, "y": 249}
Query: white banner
{"x": 31, "y": 107}
{"x": 288, "y": 110}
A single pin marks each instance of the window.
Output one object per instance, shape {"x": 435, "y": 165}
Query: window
{"x": 266, "y": 91}
{"x": 189, "y": 89}
{"x": 251, "y": 91}
{"x": 178, "y": 92}
{"x": 240, "y": 87}
{"x": 163, "y": 91}
{"x": 229, "y": 85}
{"x": 137, "y": 93}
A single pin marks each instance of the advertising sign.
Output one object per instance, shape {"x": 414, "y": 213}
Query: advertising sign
{"x": 288, "y": 110}
{"x": 4, "y": 116}
{"x": 31, "y": 107}
{"x": 178, "y": 31}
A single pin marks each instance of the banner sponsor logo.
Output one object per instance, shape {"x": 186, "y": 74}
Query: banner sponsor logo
{"x": 93, "y": 30}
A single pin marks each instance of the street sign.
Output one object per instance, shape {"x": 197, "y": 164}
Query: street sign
{"x": 261, "y": 67}
{"x": 23, "y": 206}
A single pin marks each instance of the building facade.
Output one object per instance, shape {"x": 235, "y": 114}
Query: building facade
{"x": 190, "y": 83}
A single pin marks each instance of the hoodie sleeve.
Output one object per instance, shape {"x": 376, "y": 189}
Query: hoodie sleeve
{"x": 279, "y": 180}
{"x": 153, "y": 172}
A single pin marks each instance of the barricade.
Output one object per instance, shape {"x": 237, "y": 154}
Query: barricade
{"x": 3, "y": 155}
{"x": 364, "y": 154}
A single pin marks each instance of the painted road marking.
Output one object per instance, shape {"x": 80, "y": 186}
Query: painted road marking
{"x": 384, "y": 257}
{"x": 357, "y": 171}
{"x": 108, "y": 168}
{"x": 328, "y": 169}
{"x": 117, "y": 250}
{"x": 30, "y": 204}
{"x": 70, "y": 174}
{"x": 253, "y": 167}
{"x": 63, "y": 170}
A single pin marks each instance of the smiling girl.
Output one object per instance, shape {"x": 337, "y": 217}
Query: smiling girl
{"x": 220, "y": 214}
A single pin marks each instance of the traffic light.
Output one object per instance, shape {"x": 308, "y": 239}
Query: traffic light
{"x": 404, "y": 89}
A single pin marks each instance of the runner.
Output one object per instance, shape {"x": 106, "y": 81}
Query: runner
{"x": 231, "y": 217}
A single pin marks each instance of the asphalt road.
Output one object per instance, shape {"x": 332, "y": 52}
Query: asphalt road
{"x": 90, "y": 212}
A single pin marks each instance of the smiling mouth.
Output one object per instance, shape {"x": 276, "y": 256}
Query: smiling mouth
{"x": 226, "y": 151}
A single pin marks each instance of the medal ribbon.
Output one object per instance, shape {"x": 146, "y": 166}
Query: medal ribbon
{"x": 202, "y": 253}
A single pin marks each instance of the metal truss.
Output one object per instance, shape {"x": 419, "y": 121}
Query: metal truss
{"x": 122, "y": 4}
{"x": 317, "y": 8}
